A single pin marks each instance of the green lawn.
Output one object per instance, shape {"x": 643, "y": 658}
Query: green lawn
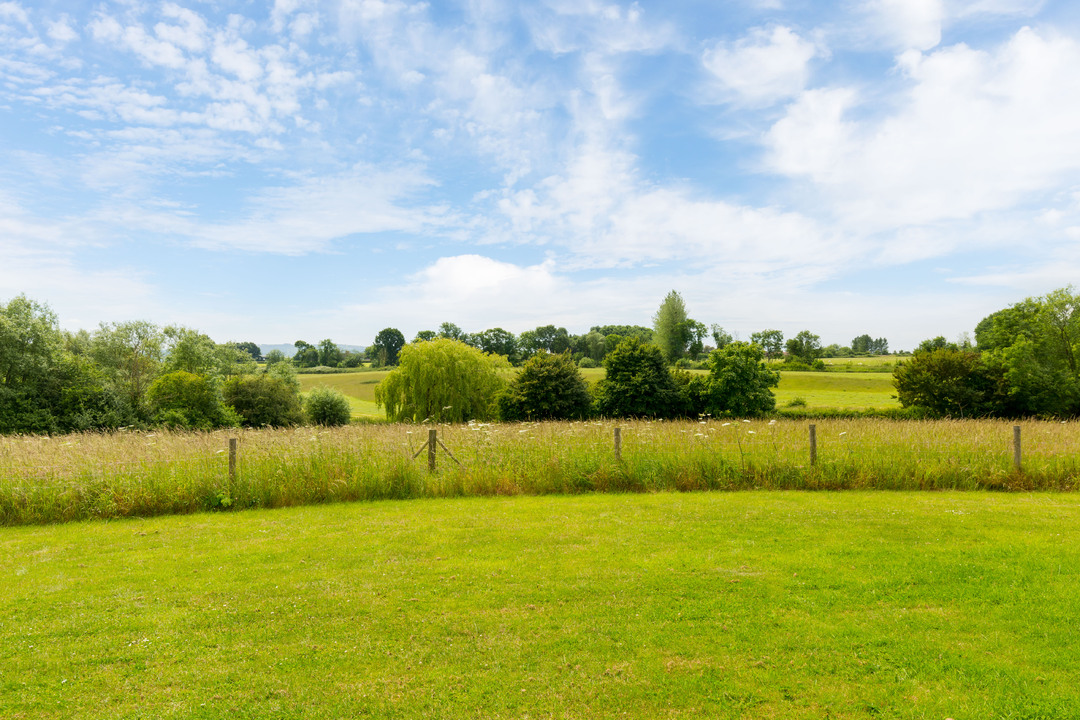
{"x": 711, "y": 605}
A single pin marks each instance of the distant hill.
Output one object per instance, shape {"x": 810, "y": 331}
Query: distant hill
{"x": 289, "y": 349}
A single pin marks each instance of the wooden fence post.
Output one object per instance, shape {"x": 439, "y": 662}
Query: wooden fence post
{"x": 618, "y": 444}
{"x": 232, "y": 460}
{"x": 1016, "y": 447}
{"x": 813, "y": 444}
{"x": 432, "y": 439}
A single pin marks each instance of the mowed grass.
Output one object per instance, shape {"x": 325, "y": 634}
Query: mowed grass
{"x": 358, "y": 387}
{"x": 847, "y": 391}
{"x": 710, "y": 605}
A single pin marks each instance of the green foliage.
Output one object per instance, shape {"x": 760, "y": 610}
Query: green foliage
{"x": 329, "y": 353}
{"x": 251, "y": 349}
{"x": 739, "y": 383}
{"x": 425, "y": 335}
{"x": 638, "y": 384}
{"x": 306, "y": 355}
{"x": 770, "y": 341}
{"x": 721, "y": 337}
{"x": 804, "y": 348}
{"x": 386, "y": 347}
{"x": 266, "y": 399}
{"x": 548, "y": 387}
{"x": 327, "y": 406}
{"x": 184, "y": 400}
{"x": 441, "y": 380}
{"x": 131, "y": 355}
{"x": 947, "y": 382}
{"x": 496, "y": 342}
{"x": 866, "y": 345}
{"x": 274, "y": 357}
{"x": 670, "y": 328}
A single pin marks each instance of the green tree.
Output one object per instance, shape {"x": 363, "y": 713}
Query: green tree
{"x": 329, "y": 353}
{"x": 266, "y": 399}
{"x": 131, "y": 354}
{"x": 452, "y": 331}
{"x": 327, "y": 406}
{"x": 947, "y": 382}
{"x": 548, "y": 387}
{"x": 306, "y": 355}
{"x": 638, "y": 383}
{"x": 770, "y": 341}
{"x": 670, "y": 329}
{"x": 425, "y": 335}
{"x": 497, "y": 341}
{"x": 274, "y": 357}
{"x": 739, "y": 382}
{"x": 804, "y": 348}
{"x": 441, "y": 380}
{"x": 182, "y": 399}
{"x": 386, "y": 347}
{"x": 252, "y": 349}
{"x": 721, "y": 337}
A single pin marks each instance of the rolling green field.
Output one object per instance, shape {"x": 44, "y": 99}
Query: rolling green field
{"x": 855, "y": 390}
{"x": 708, "y": 605}
{"x": 839, "y": 390}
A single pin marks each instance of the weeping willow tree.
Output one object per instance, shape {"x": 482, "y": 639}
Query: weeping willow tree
{"x": 442, "y": 380}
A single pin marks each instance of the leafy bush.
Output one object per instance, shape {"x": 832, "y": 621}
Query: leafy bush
{"x": 327, "y": 406}
{"x": 588, "y": 362}
{"x": 265, "y": 399}
{"x": 184, "y": 400}
{"x": 739, "y": 383}
{"x": 549, "y": 387}
{"x": 638, "y": 384}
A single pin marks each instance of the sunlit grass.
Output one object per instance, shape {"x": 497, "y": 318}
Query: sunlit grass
{"x": 46, "y": 479}
{"x": 829, "y": 391}
{"x": 709, "y": 605}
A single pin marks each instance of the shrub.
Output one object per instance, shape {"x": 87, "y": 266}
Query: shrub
{"x": 739, "y": 382}
{"x": 185, "y": 400}
{"x": 638, "y": 384}
{"x": 549, "y": 387}
{"x": 264, "y": 399}
{"x": 327, "y": 406}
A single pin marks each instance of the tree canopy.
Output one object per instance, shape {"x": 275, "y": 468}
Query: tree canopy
{"x": 638, "y": 383}
{"x": 548, "y": 387}
{"x": 442, "y": 380}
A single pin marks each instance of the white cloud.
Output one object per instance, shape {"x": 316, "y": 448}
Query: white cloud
{"x": 61, "y": 30}
{"x": 972, "y": 132}
{"x": 763, "y": 67}
{"x": 907, "y": 24}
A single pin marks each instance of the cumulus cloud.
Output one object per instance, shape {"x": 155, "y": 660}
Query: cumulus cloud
{"x": 974, "y": 131}
{"x": 765, "y": 66}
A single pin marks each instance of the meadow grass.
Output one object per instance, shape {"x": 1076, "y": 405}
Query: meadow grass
{"x": 707, "y": 605}
{"x": 44, "y": 479}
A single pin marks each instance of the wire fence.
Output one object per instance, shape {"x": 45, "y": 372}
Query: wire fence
{"x": 155, "y": 473}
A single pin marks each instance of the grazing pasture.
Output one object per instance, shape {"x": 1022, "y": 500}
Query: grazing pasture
{"x": 718, "y": 605}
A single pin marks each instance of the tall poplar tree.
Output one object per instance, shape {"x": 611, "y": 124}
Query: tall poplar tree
{"x": 670, "y": 325}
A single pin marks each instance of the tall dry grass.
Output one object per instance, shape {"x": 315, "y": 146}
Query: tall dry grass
{"x": 56, "y": 479}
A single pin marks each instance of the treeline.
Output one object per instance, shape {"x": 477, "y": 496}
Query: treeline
{"x": 445, "y": 380}
{"x": 139, "y": 374}
{"x": 1023, "y": 363}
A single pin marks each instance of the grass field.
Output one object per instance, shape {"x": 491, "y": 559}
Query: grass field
{"x": 847, "y": 391}
{"x": 710, "y": 605}
{"x": 44, "y": 480}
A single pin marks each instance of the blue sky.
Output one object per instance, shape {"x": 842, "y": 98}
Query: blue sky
{"x": 304, "y": 169}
